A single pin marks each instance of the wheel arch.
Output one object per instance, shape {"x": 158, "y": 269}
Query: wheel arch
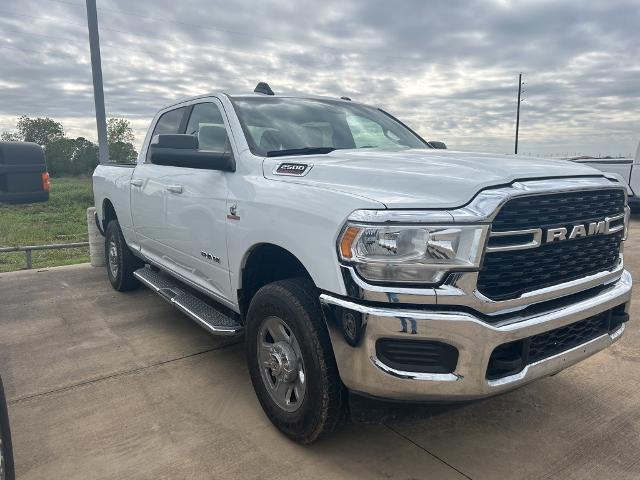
{"x": 108, "y": 213}
{"x": 264, "y": 263}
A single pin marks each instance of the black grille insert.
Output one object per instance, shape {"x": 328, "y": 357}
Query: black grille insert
{"x": 558, "y": 209}
{"x": 511, "y": 358}
{"x": 423, "y": 356}
{"x": 509, "y": 274}
{"x": 506, "y": 275}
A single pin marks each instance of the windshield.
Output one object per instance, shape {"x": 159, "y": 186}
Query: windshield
{"x": 305, "y": 125}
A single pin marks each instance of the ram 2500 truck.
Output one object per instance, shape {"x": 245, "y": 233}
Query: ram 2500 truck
{"x": 357, "y": 259}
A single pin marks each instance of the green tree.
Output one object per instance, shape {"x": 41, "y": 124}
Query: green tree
{"x": 79, "y": 156}
{"x": 119, "y": 130}
{"x": 58, "y": 154}
{"x": 121, "y": 152}
{"x": 67, "y": 156}
{"x": 85, "y": 156}
{"x": 10, "y": 137}
{"x": 42, "y": 131}
{"x": 121, "y": 138}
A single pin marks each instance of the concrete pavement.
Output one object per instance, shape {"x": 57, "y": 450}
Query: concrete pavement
{"x": 122, "y": 386}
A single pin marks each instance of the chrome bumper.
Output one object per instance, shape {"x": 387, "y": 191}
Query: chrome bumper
{"x": 475, "y": 339}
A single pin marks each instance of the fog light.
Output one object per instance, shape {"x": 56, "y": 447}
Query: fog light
{"x": 424, "y": 356}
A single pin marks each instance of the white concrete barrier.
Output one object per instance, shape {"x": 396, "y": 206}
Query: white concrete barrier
{"x": 96, "y": 240}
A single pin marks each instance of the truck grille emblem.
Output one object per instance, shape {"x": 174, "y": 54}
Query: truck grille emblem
{"x": 583, "y": 230}
{"x": 535, "y": 237}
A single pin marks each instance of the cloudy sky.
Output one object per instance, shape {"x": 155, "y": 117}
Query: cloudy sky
{"x": 447, "y": 68}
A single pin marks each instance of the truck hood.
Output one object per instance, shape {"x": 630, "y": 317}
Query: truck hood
{"x": 419, "y": 178}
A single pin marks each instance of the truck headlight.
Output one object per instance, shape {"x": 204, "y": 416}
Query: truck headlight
{"x": 411, "y": 253}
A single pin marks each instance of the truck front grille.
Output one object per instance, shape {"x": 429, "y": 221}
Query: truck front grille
{"x": 509, "y": 274}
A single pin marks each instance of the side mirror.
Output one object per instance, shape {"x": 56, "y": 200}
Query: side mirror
{"x": 438, "y": 145}
{"x": 180, "y": 150}
{"x": 23, "y": 173}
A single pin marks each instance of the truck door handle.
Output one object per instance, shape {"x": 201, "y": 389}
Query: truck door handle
{"x": 136, "y": 183}
{"x": 175, "y": 188}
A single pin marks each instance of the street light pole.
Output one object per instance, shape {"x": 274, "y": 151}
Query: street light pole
{"x": 518, "y": 110}
{"x": 98, "y": 93}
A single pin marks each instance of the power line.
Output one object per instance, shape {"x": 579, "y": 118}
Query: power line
{"x": 114, "y": 45}
{"x": 55, "y": 37}
{"x": 132, "y": 49}
{"x": 20, "y": 48}
{"x": 102, "y": 27}
{"x": 148, "y": 37}
{"x": 56, "y": 19}
{"x": 338, "y": 50}
{"x": 335, "y": 50}
{"x": 124, "y": 32}
{"x": 178, "y": 22}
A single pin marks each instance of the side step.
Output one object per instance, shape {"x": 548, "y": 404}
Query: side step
{"x": 207, "y": 316}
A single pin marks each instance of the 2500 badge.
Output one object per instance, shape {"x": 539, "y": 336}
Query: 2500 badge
{"x": 294, "y": 169}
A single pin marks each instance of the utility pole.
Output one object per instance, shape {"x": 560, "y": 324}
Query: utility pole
{"x": 96, "y": 69}
{"x": 517, "y": 111}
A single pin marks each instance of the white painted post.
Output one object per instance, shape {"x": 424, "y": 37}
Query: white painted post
{"x": 96, "y": 240}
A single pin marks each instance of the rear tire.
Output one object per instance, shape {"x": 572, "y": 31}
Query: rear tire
{"x": 120, "y": 261}
{"x": 315, "y": 400}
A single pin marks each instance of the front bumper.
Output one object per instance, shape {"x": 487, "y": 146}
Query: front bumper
{"x": 475, "y": 339}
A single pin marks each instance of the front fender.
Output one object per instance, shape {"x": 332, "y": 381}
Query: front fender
{"x": 301, "y": 219}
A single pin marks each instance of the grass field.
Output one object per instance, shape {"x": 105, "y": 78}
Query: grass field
{"x": 61, "y": 220}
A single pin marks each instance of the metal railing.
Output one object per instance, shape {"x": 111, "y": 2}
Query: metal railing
{"x": 30, "y": 248}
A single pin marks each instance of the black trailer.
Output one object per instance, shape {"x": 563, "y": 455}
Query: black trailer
{"x": 23, "y": 173}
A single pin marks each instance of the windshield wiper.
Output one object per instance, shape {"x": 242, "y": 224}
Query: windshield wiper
{"x": 300, "y": 151}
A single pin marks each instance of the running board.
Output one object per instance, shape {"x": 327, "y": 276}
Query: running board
{"x": 207, "y": 316}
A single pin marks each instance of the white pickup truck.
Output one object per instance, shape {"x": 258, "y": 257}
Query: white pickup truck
{"x": 357, "y": 259}
{"x": 627, "y": 168}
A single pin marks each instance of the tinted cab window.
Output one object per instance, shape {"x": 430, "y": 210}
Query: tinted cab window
{"x": 206, "y": 123}
{"x": 169, "y": 122}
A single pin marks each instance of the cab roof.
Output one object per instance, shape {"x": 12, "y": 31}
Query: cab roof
{"x": 261, "y": 95}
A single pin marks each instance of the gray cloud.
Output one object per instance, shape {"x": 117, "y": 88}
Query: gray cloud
{"x": 449, "y": 69}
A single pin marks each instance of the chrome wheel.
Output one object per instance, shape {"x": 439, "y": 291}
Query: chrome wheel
{"x": 113, "y": 258}
{"x": 280, "y": 363}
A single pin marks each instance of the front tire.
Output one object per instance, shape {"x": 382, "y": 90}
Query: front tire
{"x": 291, "y": 362}
{"x": 121, "y": 263}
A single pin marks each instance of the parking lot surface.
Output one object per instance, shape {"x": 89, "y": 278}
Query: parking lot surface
{"x": 123, "y": 386}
